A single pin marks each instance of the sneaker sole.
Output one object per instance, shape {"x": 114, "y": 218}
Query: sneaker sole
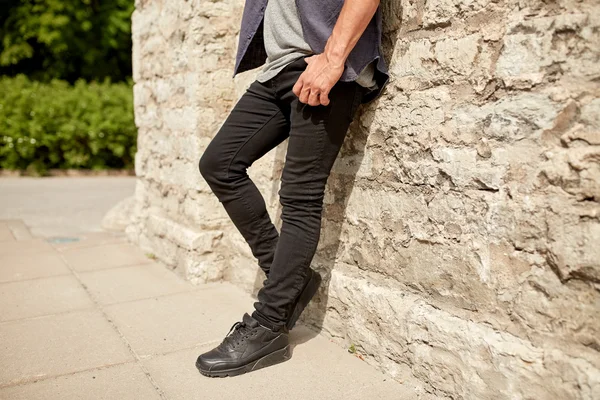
{"x": 276, "y": 357}
{"x": 306, "y": 296}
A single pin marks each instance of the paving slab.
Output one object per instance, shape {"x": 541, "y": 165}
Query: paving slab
{"x": 57, "y": 345}
{"x": 6, "y": 234}
{"x": 174, "y": 322}
{"x": 107, "y": 256}
{"x": 144, "y": 281}
{"x": 317, "y": 370}
{"x": 19, "y": 247}
{"x": 18, "y": 267}
{"x": 89, "y": 240}
{"x": 19, "y": 230}
{"x": 37, "y": 297}
{"x": 120, "y": 382}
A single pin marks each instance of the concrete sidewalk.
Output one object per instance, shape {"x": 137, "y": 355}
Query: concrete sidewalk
{"x": 62, "y": 206}
{"x": 98, "y": 319}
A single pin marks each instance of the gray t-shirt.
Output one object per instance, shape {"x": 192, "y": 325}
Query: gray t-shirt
{"x": 284, "y": 41}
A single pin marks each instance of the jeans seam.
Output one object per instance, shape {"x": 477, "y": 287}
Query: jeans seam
{"x": 312, "y": 173}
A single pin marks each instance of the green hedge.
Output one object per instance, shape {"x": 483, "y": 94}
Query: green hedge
{"x": 57, "y": 125}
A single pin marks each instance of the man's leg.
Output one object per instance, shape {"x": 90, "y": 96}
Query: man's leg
{"x": 316, "y": 136}
{"x": 255, "y": 126}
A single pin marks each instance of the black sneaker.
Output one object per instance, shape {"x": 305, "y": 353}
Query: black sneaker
{"x": 247, "y": 347}
{"x": 308, "y": 292}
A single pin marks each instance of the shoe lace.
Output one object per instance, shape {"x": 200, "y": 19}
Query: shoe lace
{"x": 237, "y": 335}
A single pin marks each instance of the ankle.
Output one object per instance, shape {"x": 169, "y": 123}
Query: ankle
{"x": 267, "y": 324}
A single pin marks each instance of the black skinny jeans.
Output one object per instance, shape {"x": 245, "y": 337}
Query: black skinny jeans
{"x": 266, "y": 115}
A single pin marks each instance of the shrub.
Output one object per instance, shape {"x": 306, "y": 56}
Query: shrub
{"x": 57, "y": 125}
{"x": 66, "y": 39}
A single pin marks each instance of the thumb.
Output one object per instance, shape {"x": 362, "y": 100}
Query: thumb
{"x": 309, "y": 59}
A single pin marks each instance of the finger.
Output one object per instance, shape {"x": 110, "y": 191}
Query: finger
{"x": 304, "y": 94}
{"x": 309, "y": 59}
{"x": 297, "y": 89}
{"x": 313, "y": 98}
{"x": 324, "y": 97}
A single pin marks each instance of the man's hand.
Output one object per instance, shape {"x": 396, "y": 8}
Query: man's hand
{"x": 316, "y": 81}
{"x": 324, "y": 70}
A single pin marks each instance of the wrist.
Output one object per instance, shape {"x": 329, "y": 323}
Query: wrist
{"x": 336, "y": 53}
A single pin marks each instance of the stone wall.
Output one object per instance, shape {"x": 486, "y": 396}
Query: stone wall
{"x": 461, "y": 237}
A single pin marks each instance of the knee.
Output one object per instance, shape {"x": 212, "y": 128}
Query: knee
{"x": 209, "y": 167}
{"x": 308, "y": 199}
{"x": 217, "y": 170}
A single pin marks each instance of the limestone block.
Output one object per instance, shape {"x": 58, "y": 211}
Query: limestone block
{"x": 454, "y": 355}
{"x": 203, "y": 209}
{"x": 153, "y": 44}
{"x": 522, "y": 59}
{"x": 168, "y": 19}
{"x": 439, "y": 12}
{"x": 198, "y": 241}
{"x": 244, "y": 273}
{"x": 182, "y": 120}
{"x": 201, "y": 269}
{"x": 458, "y": 55}
{"x": 144, "y": 17}
{"x": 142, "y": 95}
{"x": 413, "y": 59}
{"x": 359, "y": 165}
{"x": 554, "y": 311}
{"x": 148, "y": 117}
{"x": 509, "y": 119}
{"x": 590, "y": 115}
{"x": 181, "y": 173}
{"x": 575, "y": 170}
{"x": 573, "y": 251}
{"x": 175, "y": 145}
